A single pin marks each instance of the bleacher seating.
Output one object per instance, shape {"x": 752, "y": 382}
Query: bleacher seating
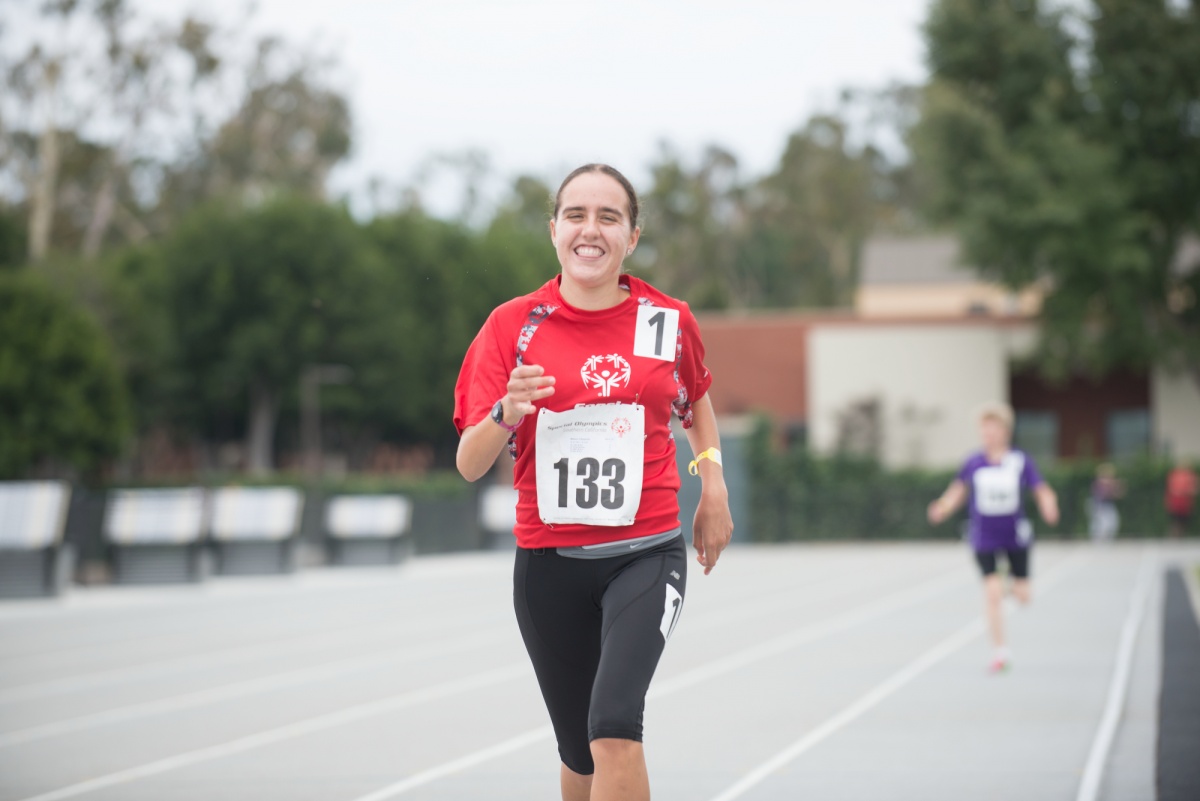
{"x": 156, "y": 535}
{"x": 254, "y": 529}
{"x": 368, "y": 529}
{"x": 498, "y": 514}
{"x": 34, "y": 560}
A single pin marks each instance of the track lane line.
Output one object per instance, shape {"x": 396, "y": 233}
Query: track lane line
{"x": 901, "y": 599}
{"x": 879, "y": 693}
{"x": 747, "y": 656}
{"x": 1118, "y": 688}
{"x": 278, "y": 734}
{"x": 380, "y": 616}
{"x": 943, "y": 581}
{"x": 364, "y": 634}
{"x": 333, "y": 639}
{"x": 238, "y": 654}
{"x": 250, "y": 687}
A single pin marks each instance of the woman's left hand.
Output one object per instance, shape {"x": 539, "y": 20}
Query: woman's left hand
{"x": 712, "y": 528}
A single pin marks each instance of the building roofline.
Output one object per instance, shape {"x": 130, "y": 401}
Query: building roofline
{"x": 843, "y": 317}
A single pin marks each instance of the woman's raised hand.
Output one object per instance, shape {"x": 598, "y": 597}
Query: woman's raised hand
{"x": 526, "y": 384}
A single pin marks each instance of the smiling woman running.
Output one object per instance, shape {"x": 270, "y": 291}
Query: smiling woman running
{"x": 579, "y": 379}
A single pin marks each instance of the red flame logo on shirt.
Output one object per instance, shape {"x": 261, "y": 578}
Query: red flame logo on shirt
{"x": 605, "y": 373}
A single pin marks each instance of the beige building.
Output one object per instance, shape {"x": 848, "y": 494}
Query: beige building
{"x": 928, "y": 343}
{"x": 923, "y": 276}
{"x": 921, "y": 380}
{"x": 1176, "y": 414}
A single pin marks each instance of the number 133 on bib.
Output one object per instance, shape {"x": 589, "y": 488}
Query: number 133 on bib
{"x": 589, "y": 464}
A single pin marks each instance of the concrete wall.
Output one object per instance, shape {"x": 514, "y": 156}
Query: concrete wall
{"x": 1175, "y": 411}
{"x": 928, "y": 378}
{"x": 758, "y": 362}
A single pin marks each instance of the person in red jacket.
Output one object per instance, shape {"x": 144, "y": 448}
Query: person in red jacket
{"x": 579, "y": 380}
{"x": 1180, "y": 497}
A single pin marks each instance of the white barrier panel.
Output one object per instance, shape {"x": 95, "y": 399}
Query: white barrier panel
{"x": 32, "y": 513}
{"x": 368, "y": 516}
{"x": 160, "y": 516}
{"x": 498, "y": 509}
{"x": 255, "y": 513}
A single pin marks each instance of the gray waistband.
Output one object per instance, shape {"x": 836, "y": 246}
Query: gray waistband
{"x": 608, "y": 549}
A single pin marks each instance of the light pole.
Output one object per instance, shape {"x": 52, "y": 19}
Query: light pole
{"x": 310, "y": 410}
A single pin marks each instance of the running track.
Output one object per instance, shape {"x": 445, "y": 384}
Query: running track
{"x": 820, "y": 671}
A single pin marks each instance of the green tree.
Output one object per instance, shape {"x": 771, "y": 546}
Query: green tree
{"x": 78, "y": 63}
{"x": 126, "y": 289}
{"x": 444, "y": 278}
{"x": 811, "y": 216}
{"x": 12, "y": 238}
{"x": 92, "y": 91}
{"x": 258, "y": 294}
{"x": 528, "y": 206}
{"x": 884, "y": 117}
{"x": 1074, "y": 161}
{"x": 289, "y": 130}
{"x": 790, "y": 238}
{"x": 690, "y": 226}
{"x": 62, "y": 403}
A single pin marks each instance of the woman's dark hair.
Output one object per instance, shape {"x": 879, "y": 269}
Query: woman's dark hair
{"x": 613, "y": 173}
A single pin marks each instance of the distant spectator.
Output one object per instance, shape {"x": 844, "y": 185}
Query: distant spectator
{"x": 1106, "y": 488}
{"x": 1180, "y": 497}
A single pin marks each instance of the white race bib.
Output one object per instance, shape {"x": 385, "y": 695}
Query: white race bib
{"x": 589, "y": 464}
{"x": 998, "y": 487}
{"x": 656, "y": 333}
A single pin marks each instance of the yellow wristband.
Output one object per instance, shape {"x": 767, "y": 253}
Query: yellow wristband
{"x": 711, "y": 453}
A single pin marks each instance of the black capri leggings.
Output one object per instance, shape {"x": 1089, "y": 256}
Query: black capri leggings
{"x": 595, "y": 630}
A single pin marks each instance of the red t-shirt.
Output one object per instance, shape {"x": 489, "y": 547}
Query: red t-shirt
{"x": 1181, "y": 491}
{"x": 591, "y": 356}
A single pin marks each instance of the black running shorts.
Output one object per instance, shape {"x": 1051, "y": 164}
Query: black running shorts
{"x": 595, "y": 630}
{"x": 1018, "y": 561}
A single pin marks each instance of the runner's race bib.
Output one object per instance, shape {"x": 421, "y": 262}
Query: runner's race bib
{"x": 998, "y": 488}
{"x": 589, "y": 464}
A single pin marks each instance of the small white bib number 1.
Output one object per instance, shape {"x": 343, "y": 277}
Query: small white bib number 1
{"x": 589, "y": 464}
{"x": 656, "y": 333}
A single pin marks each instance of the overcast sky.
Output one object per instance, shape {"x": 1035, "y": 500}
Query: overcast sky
{"x": 543, "y": 86}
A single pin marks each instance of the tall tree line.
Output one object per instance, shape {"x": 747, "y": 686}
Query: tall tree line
{"x": 166, "y": 231}
{"x": 1064, "y": 147}
{"x": 214, "y": 273}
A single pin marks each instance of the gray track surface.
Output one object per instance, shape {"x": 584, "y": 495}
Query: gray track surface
{"x": 412, "y": 683}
